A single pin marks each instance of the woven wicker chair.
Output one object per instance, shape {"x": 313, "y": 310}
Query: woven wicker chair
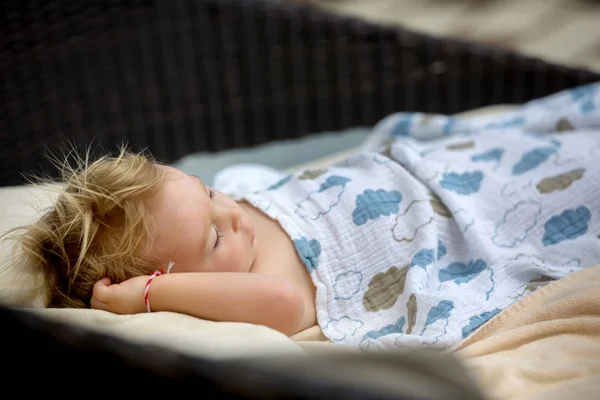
{"x": 181, "y": 76}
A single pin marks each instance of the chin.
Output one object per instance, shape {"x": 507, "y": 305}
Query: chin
{"x": 239, "y": 268}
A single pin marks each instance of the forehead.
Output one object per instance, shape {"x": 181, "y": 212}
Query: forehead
{"x": 180, "y": 213}
{"x": 172, "y": 172}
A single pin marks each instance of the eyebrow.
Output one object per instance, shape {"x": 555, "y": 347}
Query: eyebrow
{"x": 206, "y": 236}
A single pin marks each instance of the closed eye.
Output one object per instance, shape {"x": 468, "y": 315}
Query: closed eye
{"x": 219, "y": 237}
{"x": 211, "y": 192}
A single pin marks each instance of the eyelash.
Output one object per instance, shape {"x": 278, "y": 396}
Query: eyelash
{"x": 219, "y": 237}
{"x": 211, "y": 195}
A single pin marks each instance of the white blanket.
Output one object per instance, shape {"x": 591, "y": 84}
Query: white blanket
{"x": 451, "y": 222}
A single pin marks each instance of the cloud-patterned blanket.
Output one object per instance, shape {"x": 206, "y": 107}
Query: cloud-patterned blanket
{"x": 441, "y": 223}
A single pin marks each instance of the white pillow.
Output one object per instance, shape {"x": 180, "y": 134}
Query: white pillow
{"x": 20, "y": 205}
{"x": 181, "y": 332}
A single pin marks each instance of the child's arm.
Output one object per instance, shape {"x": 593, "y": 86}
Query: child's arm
{"x": 240, "y": 297}
{"x": 234, "y": 297}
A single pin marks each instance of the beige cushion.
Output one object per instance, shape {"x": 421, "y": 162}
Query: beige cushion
{"x": 20, "y": 205}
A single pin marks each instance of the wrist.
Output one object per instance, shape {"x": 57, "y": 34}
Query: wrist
{"x": 149, "y": 289}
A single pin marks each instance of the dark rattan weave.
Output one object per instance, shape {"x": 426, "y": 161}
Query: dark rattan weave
{"x": 179, "y": 76}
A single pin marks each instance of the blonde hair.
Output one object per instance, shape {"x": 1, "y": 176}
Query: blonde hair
{"x": 98, "y": 227}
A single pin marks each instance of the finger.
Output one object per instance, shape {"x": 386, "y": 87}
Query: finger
{"x": 97, "y": 304}
{"x": 101, "y": 289}
{"x": 104, "y": 281}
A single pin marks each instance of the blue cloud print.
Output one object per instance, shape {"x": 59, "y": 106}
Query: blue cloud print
{"x": 439, "y": 124}
{"x": 346, "y": 285}
{"x": 478, "y": 320}
{"x": 461, "y": 272}
{"x": 587, "y": 107}
{"x": 396, "y": 327}
{"x": 441, "y": 250}
{"x": 440, "y": 312}
{"x": 280, "y": 183}
{"x": 494, "y": 154}
{"x": 338, "y": 329}
{"x": 454, "y": 126}
{"x": 584, "y": 91}
{"x": 333, "y": 180}
{"x": 524, "y": 215}
{"x": 372, "y": 204}
{"x": 513, "y": 122}
{"x": 584, "y": 95}
{"x": 309, "y": 252}
{"x": 322, "y": 201}
{"x": 423, "y": 258}
{"x": 381, "y": 159}
{"x": 402, "y": 127}
{"x": 568, "y": 225}
{"x": 465, "y": 183}
{"x": 532, "y": 159}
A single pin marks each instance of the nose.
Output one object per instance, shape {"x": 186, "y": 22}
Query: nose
{"x": 236, "y": 216}
{"x": 233, "y": 216}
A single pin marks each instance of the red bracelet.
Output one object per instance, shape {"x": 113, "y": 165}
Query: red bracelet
{"x": 154, "y": 275}
{"x": 147, "y": 289}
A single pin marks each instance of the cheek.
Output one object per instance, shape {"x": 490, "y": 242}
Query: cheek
{"x": 234, "y": 258}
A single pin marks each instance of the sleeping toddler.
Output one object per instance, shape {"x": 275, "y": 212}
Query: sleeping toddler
{"x": 431, "y": 230}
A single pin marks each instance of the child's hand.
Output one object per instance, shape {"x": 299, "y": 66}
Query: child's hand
{"x": 122, "y": 298}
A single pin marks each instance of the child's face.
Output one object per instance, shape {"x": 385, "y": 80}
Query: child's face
{"x": 199, "y": 229}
